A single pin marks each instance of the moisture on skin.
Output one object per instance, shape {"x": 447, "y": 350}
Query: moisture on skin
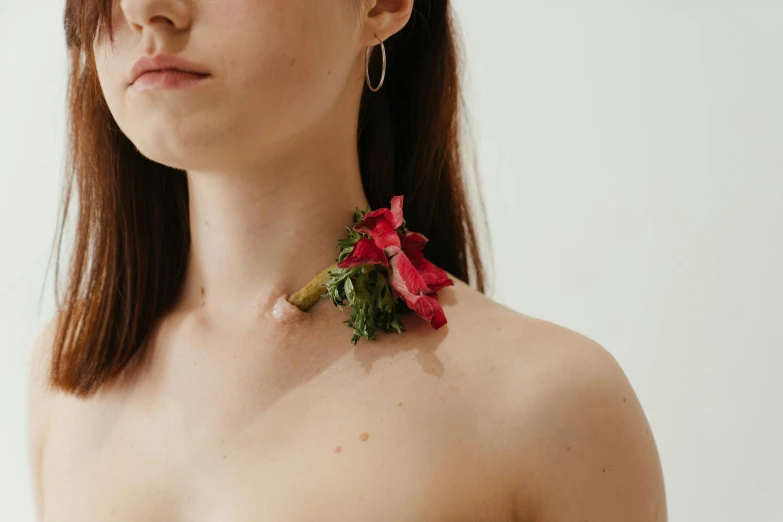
{"x": 278, "y": 321}
{"x": 281, "y": 322}
{"x": 279, "y": 315}
{"x": 283, "y": 313}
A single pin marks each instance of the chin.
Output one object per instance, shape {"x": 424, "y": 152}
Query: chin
{"x": 165, "y": 137}
{"x": 188, "y": 152}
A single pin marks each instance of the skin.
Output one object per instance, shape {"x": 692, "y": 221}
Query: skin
{"x": 246, "y": 408}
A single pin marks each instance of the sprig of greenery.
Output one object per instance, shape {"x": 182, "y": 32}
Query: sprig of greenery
{"x": 367, "y": 290}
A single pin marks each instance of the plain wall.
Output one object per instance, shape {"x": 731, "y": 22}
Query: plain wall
{"x": 630, "y": 159}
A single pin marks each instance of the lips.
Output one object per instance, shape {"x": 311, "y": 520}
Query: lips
{"x": 165, "y": 62}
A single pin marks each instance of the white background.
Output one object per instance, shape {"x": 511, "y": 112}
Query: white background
{"x": 631, "y": 160}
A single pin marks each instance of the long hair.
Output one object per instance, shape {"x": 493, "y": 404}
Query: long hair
{"x": 132, "y": 236}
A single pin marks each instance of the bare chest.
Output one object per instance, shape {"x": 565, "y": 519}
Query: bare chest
{"x": 301, "y": 485}
{"x": 401, "y": 445}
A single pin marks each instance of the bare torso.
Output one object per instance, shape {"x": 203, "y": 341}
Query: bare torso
{"x": 288, "y": 428}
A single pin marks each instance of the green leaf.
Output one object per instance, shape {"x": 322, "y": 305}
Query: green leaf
{"x": 367, "y": 290}
{"x": 349, "y": 293}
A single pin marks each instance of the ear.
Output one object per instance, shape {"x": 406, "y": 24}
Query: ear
{"x": 384, "y": 18}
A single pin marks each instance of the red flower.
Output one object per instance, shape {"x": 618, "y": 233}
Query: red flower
{"x": 410, "y": 275}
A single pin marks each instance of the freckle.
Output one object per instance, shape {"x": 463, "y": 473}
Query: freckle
{"x": 206, "y": 223}
{"x": 624, "y": 399}
{"x": 568, "y": 448}
{"x": 338, "y": 449}
{"x": 225, "y": 456}
{"x": 603, "y": 470}
{"x": 497, "y": 329}
{"x": 399, "y": 404}
{"x": 328, "y": 73}
{"x": 364, "y": 436}
{"x": 293, "y": 61}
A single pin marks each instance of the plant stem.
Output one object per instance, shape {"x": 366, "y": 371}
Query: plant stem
{"x": 311, "y": 293}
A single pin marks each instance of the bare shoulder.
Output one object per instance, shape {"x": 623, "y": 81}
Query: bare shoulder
{"x": 575, "y": 441}
{"x": 40, "y": 358}
{"x": 40, "y": 391}
{"x": 40, "y": 396}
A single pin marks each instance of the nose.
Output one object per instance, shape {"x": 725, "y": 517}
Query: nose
{"x": 156, "y": 15}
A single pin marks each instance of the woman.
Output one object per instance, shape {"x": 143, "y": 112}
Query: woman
{"x": 179, "y": 383}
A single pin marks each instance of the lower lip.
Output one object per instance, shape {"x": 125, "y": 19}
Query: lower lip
{"x": 167, "y": 80}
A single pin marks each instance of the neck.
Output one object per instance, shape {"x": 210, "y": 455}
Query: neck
{"x": 266, "y": 231}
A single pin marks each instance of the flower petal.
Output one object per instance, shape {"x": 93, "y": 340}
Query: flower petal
{"x": 404, "y": 276}
{"x": 369, "y": 220}
{"x": 425, "y": 306}
{"x": 413, "y": 241}
{"x": 365, "y": 252}
{"x": 396, "y": 211}
{"x": 379, "y": 225}
{"x": 407, "y": 283}
{"x": 434, "y": 276}
{"x": 389, "y": 242}
{"x": 428, "y": 307}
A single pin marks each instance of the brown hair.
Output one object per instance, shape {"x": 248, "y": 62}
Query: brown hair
{"x": 132, "y": 231}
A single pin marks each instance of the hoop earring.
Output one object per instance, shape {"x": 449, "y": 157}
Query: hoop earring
{"x": 367, "y": 52}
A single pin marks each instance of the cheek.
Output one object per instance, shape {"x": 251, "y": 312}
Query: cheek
{"x": 109, "y": 64}
{"x": 289, "y": 64}
{"x": 109, "y": 79}
{"x": 279, "y": 67}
